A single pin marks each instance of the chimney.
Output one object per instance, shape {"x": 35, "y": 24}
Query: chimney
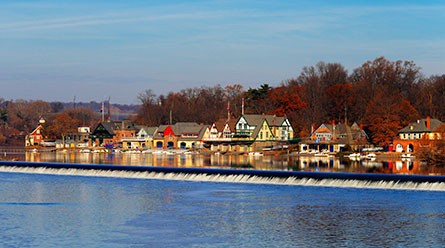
{"x": 428, "y": 122}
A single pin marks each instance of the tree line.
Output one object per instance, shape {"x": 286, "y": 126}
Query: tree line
{"x": 382, "y": 95}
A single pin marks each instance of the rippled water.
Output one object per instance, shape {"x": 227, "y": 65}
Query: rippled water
{"x": 70, "y": 211}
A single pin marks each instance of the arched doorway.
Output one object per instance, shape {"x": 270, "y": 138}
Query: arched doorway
{"x": 159, "y": 144}
{"x": 399, "y": 148}
{"x": 410, "y": 148}
{"x": 170, "y": 144}
{"x": 182, "y": 145}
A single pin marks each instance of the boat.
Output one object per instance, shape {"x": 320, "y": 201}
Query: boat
{"x": 371, "y": 156}
{"x": 255, "y": 154}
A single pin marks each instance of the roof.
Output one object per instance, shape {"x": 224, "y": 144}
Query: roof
{"x": 109, "y": 127}
{"x": 161, "y": 128}
{"x": 37, "y": 128}
{"x": 254, "y": 120}
{"x": 257, "y": 121}
{"x": 221, "y": 123}
{"x": 275, "y": 121}
{"x": 186, "y": 127}
{"x": 420, "y": 126}
{"x": 149, "y": 130}
{"x": 183, "y": 128}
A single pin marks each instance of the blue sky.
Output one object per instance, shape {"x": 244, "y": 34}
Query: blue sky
{"x": 55, "y": 50}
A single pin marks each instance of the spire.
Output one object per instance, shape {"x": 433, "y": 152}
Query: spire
{"x": 242, "y": 106}
{"x": 228, "y": 110}
{"x": 103, "y": 111}
{"x": 108, "y": 110}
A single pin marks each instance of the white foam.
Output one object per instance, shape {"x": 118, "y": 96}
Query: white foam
{"x": 439, "y": 186}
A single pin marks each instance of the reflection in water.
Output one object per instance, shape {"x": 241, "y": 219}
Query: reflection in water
{"x": 266, "y": 162}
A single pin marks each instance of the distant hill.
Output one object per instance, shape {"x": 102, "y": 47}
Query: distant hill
{"x": 118, "y": 111}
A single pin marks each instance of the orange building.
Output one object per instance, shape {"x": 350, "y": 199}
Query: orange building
{"x": 417, "y": 134}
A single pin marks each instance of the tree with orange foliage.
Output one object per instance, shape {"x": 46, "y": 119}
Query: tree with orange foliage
{"x": 61, "y": 125}
{"x": 385, "y": 115}
{"x": 286, "y": 100}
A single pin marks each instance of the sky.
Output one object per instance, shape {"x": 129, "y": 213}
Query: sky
{"x": 95, "y": 50}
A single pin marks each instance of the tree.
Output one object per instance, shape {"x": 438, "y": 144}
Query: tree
{"x": 286, "y": 100}
{"x": 340, "y": 100}
{"x": 436, "y": 99}
{"x": 394, "y": 78}
{"x": 315, "y": 80}
{"x": 84, "y": 116}
{"x": 234, "y": 95}
{"x": 61, "y": 125}
{"x": 257, "y": 101}
{"x": 385, "y": 115}
{"x": 150, "y": 113}
{"x": 25, "y": 116}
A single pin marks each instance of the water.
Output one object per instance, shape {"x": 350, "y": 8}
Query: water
{"x": 267, "y": 162}
{"x": 73, "y": 211}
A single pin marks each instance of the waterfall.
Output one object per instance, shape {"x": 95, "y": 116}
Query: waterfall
{"x": 347, "y": 180}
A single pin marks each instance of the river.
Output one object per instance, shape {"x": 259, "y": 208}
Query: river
{"x": 44, "y": 210}
{"x": 264, "y": 162}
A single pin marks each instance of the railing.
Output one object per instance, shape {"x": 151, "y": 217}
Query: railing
{"x": 12, "y": 154}
{"x": 243, "y": 132}
{"x": 6, "y": 151}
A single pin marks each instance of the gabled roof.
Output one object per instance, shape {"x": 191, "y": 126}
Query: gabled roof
{"x": 420, "y": 126}
{"x": 160, "y": 129}
{"x": 254, "y": 120}
{"x": 343, "y": 133}
{"x": 149, "y": 130}
{"x": 202, "y": 131}
{"x": 221, "y": 124}
{"x": 109, "y": 127}
{"x": 39, "y": 127}
{"x": 257, "y": 121}
{"x": 232, "y": 124}
{"x": 275, "y": 121}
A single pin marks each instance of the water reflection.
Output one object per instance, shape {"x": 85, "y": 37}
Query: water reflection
{"x": 266, "y": 162}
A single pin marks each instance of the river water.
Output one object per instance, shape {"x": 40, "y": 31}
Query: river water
{"x": 266, "y": 162}
{"x": 39, "y": 210}
{"x": 72, "y": 211}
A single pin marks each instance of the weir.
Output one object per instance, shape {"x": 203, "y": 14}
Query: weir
{"x": 324, "y": 179}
